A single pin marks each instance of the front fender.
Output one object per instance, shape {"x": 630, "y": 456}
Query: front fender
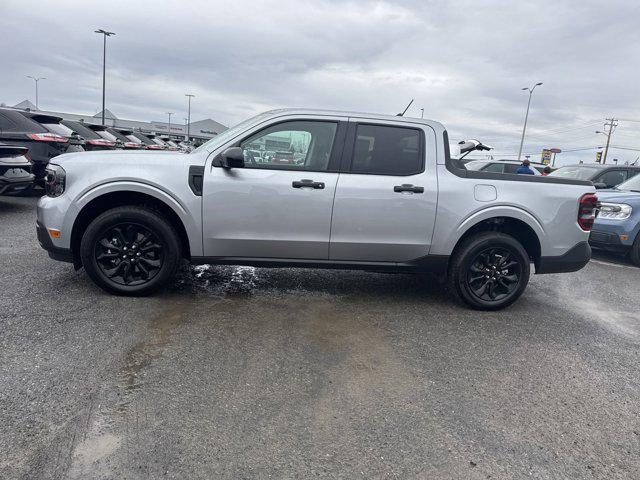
{"x": 189, "y": 214}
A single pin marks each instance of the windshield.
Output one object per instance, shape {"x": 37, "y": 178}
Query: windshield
{"x": 632, "y": 184}
{"x": 221, "y": 138}
{"x": 578, "y": 173}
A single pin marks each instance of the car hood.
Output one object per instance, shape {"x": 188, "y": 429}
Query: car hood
{"x": 116, "y": 156}
{"x": 618, "y": 196}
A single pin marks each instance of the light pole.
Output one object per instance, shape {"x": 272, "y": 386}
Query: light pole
{"x": 189, "y": 95}
{"x": 169, "y": 113}
{"x": 36, "y": 79}
{"x": 526, "y": 117}
{"x": 104, "y": 64}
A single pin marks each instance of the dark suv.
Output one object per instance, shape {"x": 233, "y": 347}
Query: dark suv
{"x": 602, "y": 176}
{"x": 93, "y": 141}
{"x": 43, "y": 145}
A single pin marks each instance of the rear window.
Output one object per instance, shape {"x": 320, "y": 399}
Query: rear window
{"x": 59, "y": 129}
{"x": 106, "y": 135}
{"x": 14, "y": 121}
{"x": 386, "y": 150}
{"x": 578, "y": 173}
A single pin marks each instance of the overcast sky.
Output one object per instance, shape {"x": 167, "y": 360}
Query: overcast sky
{"x": 464, "y": 64}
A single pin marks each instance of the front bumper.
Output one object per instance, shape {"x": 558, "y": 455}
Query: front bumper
{"x": 572, "y": 261}
{"x": 609, "y": 241}
{"x": 57, "y": 253}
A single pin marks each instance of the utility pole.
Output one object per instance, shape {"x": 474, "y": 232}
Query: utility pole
{"x": 104, "y": 64}
{"x": 36, "y": 79}
{"x": 526, "y": 117}
{"x": 189, "y": 95}
{"x": 169, "y": 113}
{"x": 611, "y": 123}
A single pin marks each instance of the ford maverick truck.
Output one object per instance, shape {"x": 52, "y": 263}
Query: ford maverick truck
{"x": 357, "y": 191}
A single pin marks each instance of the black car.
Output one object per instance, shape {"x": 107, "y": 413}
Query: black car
{"x": 54, "y": 125}
{"x": 602, "y": 176}
{"x": 148, "y": 143}
{"x": 43, "y": 145}
{"x": 15, "y": 170}
{"x": 93, "y": 141}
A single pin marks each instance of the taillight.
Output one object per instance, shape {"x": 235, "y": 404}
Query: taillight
{"x": 154, "y": 147}
{"x": 587, "y": 210}
{"x": 48, "y": 137}
{"x": 131, "y": 145}
{"x": 101, "y": 143}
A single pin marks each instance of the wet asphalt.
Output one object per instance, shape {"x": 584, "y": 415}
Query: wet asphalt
{"x": 291, "y": 373}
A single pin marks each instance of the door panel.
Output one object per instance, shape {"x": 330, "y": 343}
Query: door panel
{"x": 258, "y": 213}
{"x": 378, "y": 218}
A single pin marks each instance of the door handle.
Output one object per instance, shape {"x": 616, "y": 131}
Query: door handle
{"x": 307, "y": 183}
{"x": 405, "y": 187}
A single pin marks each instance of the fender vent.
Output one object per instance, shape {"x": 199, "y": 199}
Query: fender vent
{"x": 196, "y": 175}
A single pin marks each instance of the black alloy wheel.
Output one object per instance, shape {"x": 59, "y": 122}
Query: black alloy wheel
{"x": 129, "y": 254}
{"x": 493, "y": 274}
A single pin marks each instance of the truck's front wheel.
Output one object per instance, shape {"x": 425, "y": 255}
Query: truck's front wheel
{"x": 489, "y": 271}
{"x": 130, "y": 250}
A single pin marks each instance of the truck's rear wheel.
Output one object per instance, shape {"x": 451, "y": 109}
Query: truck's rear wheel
{"x": 489, "y": 271}
{"x": 130, "y": 251}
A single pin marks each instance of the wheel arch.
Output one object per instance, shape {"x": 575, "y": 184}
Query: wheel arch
{"x": 104, "y": 201}
{"x": 522, "y": 226}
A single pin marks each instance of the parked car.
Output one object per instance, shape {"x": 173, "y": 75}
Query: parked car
{"x": 284, "y": 158}
{"x": 93, "y": 141}
{"x": 15, "y": 170}
{"x": 501, "y": 166}
{"x": 602, "y": 176}
{"x": 123, "y": 139}
{"x": 375, "y": 192}
{"x": 43, "y": 145}
{"x": 171, "y": 145}
{"x": 617, "y": 226}
{"x": 148, "y": 143}
{"x": 53, "y": 124}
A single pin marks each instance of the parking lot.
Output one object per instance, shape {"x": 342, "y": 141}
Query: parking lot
{"x": 252, "y": 373}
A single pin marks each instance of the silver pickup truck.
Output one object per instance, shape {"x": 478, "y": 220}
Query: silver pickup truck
{"x": 319, "y": 189}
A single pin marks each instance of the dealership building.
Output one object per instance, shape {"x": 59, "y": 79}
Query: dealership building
{"x": 199, "y": 131}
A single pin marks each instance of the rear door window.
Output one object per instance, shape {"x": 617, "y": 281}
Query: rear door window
{"x": 387, "y": 150}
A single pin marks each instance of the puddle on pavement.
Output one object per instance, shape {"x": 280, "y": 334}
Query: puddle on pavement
{"x": 142, "y": 354}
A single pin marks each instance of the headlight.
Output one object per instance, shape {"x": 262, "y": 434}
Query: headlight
{"x": 614, "y": 211}
{"x": 54, "y": 180}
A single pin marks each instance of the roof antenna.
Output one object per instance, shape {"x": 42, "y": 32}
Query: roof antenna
{"x": 405, "y": 110}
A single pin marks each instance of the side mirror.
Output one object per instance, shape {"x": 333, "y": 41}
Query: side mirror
{"x": 233, "y": 157}
{"x": 600, "y": 185}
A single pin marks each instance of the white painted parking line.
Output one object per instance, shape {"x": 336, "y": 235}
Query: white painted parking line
{"x": 614, "y": 264}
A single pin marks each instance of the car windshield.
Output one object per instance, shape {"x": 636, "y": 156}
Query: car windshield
{"x": 228, "y": 134}
{"x": 578, "y": 173}
{"x": 632, "y": 184}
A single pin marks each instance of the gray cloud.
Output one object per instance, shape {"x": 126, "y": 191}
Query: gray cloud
{"x": 464, "y": 62}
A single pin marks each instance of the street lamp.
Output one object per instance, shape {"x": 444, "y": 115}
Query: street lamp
{"x": 36, "y": 79}
{"x": 189, "y": 95}
{"x": 526, "y": 117}
{"x": 169, "y": 113}
{"x": 104, "y": 64}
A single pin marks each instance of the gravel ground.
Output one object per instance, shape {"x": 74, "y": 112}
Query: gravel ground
{"x": 255, "y": 373}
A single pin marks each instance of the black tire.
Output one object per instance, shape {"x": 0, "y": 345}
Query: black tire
{"x": 123, "y": 243}
{"x": 634, "y": 253}
{"x": 487, "y": 265}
